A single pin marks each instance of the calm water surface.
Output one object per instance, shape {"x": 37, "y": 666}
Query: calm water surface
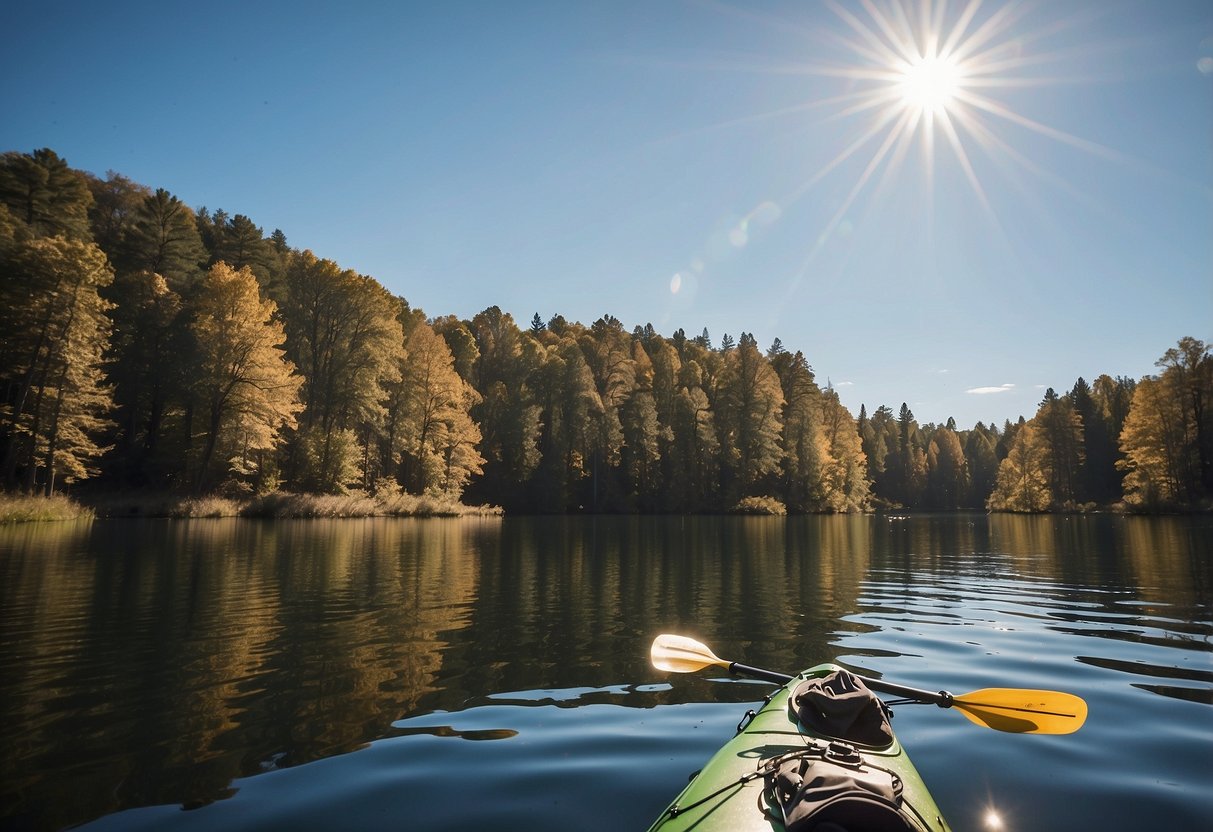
{"x": 435, "y": 674}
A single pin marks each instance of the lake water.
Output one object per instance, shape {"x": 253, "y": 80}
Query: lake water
{"x": 459, "y": 674}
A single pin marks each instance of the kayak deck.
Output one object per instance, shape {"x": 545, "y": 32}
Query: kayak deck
{"x": 728, "y": 793}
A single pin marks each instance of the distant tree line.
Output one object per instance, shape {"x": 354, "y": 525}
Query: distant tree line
{"x": 146, "y": 345}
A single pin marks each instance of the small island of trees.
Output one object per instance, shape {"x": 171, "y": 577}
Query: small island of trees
{"x": 147, "y": 348}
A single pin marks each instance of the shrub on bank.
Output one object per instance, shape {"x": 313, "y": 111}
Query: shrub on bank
{"x": 760, "y": 505}
{"x": 21, "y": 508}
{"x": 205, "y": 507}
{"x": 282, "y": 504}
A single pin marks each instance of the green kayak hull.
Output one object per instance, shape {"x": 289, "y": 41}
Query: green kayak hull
{"x": 726, "y": 794}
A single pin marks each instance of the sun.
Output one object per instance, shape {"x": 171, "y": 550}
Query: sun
{"x": 929, "y": 84}
{"x": 920, "y": 75}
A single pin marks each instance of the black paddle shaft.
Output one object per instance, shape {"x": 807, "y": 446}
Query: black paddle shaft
{"x": 738, "y": 669}
{"x": 943, "y": 699}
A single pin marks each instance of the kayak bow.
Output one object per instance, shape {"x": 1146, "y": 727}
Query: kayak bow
{"x": 734, "y": 790}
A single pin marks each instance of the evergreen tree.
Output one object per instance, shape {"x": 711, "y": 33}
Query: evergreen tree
{"x": 42, "y": 191}
{"x": 749, "y": 421}
{"x": 1112, "y": 398}
{"x": 982, "y": 461}
{"x": 508, "y": 414}
{"x": 146, "y": 369}
{"x": 116, "y": 200}
{"x": 460, "y": 342}
{"x": 947, "y": 471}
{"x": 608, "y": 352}
{"x": 1098, "y": 480}
{"x": 803, "y": 464}
{"x": 696, "y": 446}
{"x": 907, "y": 478}
{"x": 569, "y": 406}
{"x": 163, "y": 239}
{"x": 641, "y": 452}
{"x": 1061, "y": 431}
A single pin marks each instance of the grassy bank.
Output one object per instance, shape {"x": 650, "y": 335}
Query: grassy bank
{"x": 18, "y": 508}
{"x": 287, "y": 505}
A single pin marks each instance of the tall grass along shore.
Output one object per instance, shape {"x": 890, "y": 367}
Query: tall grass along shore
{"x": 20, "y": 508}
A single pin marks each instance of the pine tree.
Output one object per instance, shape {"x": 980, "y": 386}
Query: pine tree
{"x": 569, "y": 402}
{"x": 1061, "y": 433}
{"x": 982, "y": 461}
{"x": 803, "y": 463}
{"x": 145, "y": 368}
{"x": 947, "y": 471}
{"x": 116, "y": 200}
{"x": 163, "y": 239}
{"x": 608, "y": 352}
{"x": 41, "y": 190}
{"x": 641, "y": 453}
{"x": 696, "y": 457}
{"x": 749, "y": 420}
{"x": 508, "y": 414}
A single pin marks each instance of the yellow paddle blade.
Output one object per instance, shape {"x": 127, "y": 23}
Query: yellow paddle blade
{"x": 1021, "y": 711}
{"x": 679, "y": 654}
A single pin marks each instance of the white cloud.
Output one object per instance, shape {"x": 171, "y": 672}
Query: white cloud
{"x": 844, "y": 384}
{"x": 985, "y": 391}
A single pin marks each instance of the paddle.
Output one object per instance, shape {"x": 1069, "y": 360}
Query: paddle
{"x": 1015, "y": 710}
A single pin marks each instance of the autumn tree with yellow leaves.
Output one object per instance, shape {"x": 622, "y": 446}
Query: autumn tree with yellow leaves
{"x": 244, "y": 390}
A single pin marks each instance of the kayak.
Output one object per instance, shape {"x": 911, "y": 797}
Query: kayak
{"x": 779, "y": 773}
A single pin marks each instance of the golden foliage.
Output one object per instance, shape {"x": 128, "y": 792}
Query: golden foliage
{"x": 245, "y": 388}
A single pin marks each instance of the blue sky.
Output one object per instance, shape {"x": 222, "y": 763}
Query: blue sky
{"x": 686, "y": 164}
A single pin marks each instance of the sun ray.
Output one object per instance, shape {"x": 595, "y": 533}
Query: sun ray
{"x": 903, "y": 44}
{"x": 958, "y": 30}
{"x": 996, "y": 24}
{"x": 781, "y": 112}
{"x": 995, "y": 108}
{"x": 906, "y": 35}
{"x": 890, "y": 56}
{"x": 866, "y": 137}
{"x": 832, "y": 225}
{"x": 965, "y": 164}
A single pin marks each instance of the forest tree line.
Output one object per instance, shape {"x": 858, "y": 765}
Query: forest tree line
{"x": 146, "y": 345}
